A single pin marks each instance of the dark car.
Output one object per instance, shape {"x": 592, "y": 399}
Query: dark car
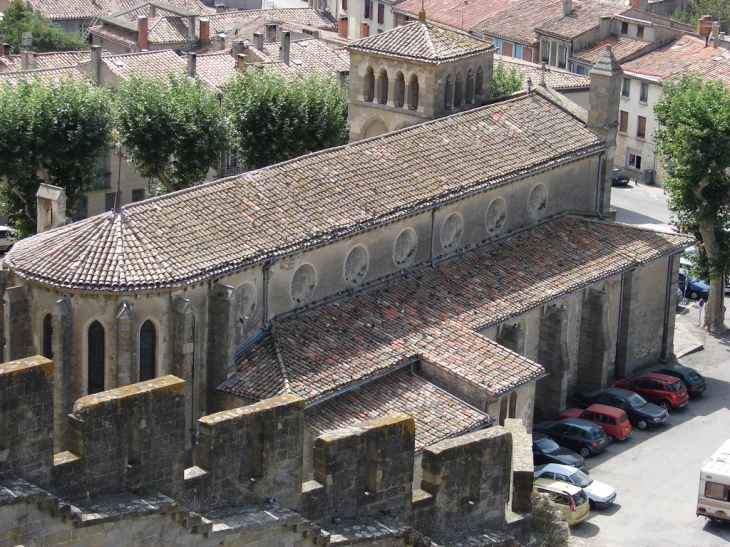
{"x": 618, "y": 178}
{"x": 582, "y": 436}
{"x": 546, "y": 450}
{"x": 694, "y": 289}
{"x": 641, "y": 413}
{"x": 692, "y": 379}
{"x": 666, "y": 391}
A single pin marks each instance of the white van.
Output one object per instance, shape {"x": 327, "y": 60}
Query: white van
{"x": 713, "y": 501}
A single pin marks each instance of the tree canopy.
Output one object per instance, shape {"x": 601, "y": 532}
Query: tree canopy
{"x": 694, "y": 139}
{"x": 20, "y": 17}
{"x": 52, "y": 131}
{"x": 694, "y": 9}
{"x": 173, "y": 130}
{"x": 276, "y": 118}
{"x": 505, "y": 81}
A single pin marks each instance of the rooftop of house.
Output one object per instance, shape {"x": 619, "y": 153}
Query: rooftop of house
{"x": 682, "y": 56}
{"x": 44, "y": 75}
{"x": 423, "y": 42}
{"x": 84, "y": 9}
{"x": 458, "y": 14}
{"x": 232, "y": 23}
{"x": 147, "y": 64}
{"x": 517, "y": 22}
{"x": 585, "y": 15}
{"x": 9, "y": 63}
{"x": 187, "y": 236}
{"x": 434, "y": 313}
{"x": 560, "y": 80}
{"x": 167, "y": 30}
{"x": 438, "y": 415}
{"x": 307, "y": 57}
{"x": 50, "y": 59}
{"x": 622, "y": 47}
{"x": 217, "y": 68}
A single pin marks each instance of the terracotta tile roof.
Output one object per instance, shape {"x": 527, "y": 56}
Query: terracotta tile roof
{"x": 554, "y": 77}
{"x": 437, "y": 414}
{"x": 433, "y": 314}
{"x": 58, "y": 59}
{"x": 171, "y": 30}
{"x": 622, "y": 47}
{"x": 116, "y": 34}
{"x": 197, "y": 233}
{"x": 456, "y": 14}
{"x": 586, "y": 15}
{"x": 311, "y": 57}
{"x": 44, "y": 75}
{"x": 517, "y": 22}
{"x": 149, "y": 64}
{"x": 422, "y": 41}
{"x": 217, "y": 69}
{"x": 9, "y": 63}
{"x": 84, "y": 9}
{"x": 685, "y": 55}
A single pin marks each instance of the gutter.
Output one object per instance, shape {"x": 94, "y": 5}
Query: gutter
{"x": 598, "y": 188}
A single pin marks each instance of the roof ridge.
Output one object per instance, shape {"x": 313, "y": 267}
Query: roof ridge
{"x": 428, "y": 38}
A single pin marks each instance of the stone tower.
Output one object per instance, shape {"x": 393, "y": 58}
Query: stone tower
{"x": 603, "y": 115}
{"x": 415, "y": 73}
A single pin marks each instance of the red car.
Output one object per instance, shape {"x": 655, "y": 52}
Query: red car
{"x": 614, "y": 421}
{"x": 666, "y": 391}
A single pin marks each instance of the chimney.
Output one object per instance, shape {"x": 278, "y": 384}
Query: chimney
{"x": 24, "y": 60}
{"x": 567, "y": 7}
{"x": 241, "y": 61}
{"x": 603, "y": 107}
{"x": 284, "y": 47}
{"x": 636, "y": 4}
{"x": 5, "y": 49}
{"x": 191, "y": 64}
{"x": 204, "y": 30}
{"x": 219, "y": 42}
{"x": 96, "y": 64}
{"x": 191, "y": 30}
{"x": 237, "y": 48}
{"x": 271, "y": 32}
{"x": 422, "y": 16}
{"x": 142, "y": 29}
{"x": 153, "y": 12}
{"x": 715, "y": 33}
{"x": 51, "y": 207}
{"x": 365, "y": 30}
{"x": 258, "y": 41}
{"x": 220, "y": 8}
{"x": 704, "y": 24}
{"x": 342, "y": 27}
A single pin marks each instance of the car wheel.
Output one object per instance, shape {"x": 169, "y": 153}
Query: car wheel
{"x": 591, "y": 503}
{"x": 610, "y": 438}
{"x": 642, "y": 424}
{"x": 666, "y": 405}
{"x": 585, "y": 452}
{"x": 694, "y": 295}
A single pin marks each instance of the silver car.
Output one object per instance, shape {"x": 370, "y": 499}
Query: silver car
{"x": 600, "y": 495}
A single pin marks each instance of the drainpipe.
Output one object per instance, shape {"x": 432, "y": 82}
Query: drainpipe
{"x": 598, "y": 188}
{"x": 667, "y": 298}
{"x": 266, "y": 269}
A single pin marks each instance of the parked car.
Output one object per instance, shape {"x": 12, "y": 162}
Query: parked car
{"x": 600, "y": 495}
{"x": 582, "y": 436}
{"x": 666, "y": 391}
{"x": 693, "y": 380}
{"x": 618, "y": 178}
{"x": 546, "y": 450}
{"x": 569, "y": 499}
{"x": 7, "y": 238}
{"x": 614, "y": 421}
{"x": 641, "y": 413}
{"x": 692, "y": 287}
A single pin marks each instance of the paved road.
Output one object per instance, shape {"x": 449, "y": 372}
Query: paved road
{"x": 640, "y": 204}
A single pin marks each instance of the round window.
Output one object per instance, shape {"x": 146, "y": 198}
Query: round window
{"x": 496, "y": 214}
{"x": 356, "y": 265}
{"x": 405, "y": 248}
{"x": 451, "y": 231}
{"x": 303, "y": 283}
{"x": 537, "y": 202}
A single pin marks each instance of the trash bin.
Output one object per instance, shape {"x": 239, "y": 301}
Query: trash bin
{"x": 649, "y": 177}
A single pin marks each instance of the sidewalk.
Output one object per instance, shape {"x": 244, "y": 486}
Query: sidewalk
{"x": 687, "y": 337}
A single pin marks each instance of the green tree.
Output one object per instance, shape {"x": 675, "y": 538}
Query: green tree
{"x": 505, "y": 81}
{"x": 276, "y": 118}
{"x": 51, "y": 131}
{"x": 694, "y": 9}
{"x": 694, "y": 139}
{"x": 173, "y": 129}
{"x": 20, "y": 17}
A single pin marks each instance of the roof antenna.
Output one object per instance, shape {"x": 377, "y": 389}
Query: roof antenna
{"x": 422, "y": 13}
{"x": 118, "y": 197}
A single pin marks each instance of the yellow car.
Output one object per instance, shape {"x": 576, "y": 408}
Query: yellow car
{"x": 570, "y": 500}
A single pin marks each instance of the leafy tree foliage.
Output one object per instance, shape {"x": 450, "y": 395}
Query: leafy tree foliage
{"x": 694, "y": 140}
{"x": 173, "y": 130}
{"x": 20, "y": 17}
{"x": 505, "y": 81}
{"x": 275, "y": 118}
{"x": 52, "y": 131}
{"x": 694, "y": 9}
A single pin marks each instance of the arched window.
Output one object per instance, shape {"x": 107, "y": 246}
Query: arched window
{"x": 96, "y": 357}
{"x": 480, "y": 81}
{"x": 47, "y": 337}
{"x": 369, "y": 84}
{"x": 458, "y": 90}
{"x": 449, "y": 93}
{"x": 400, "y": 90}
{"x": 383, "y": 98}
{"x": 470, "y": 87}
{"x": 413, "y": 93}
{"x": 147, "y": 351}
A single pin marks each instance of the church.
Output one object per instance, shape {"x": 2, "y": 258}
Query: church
{"x": 461, "y": 268}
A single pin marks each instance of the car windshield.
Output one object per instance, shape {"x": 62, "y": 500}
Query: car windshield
{"x": 546, "y": 445}
{"x": 636, "y": 401}
{"x": 579, "y": 498}
{"x": 695, "y": 377}
{"x": 581, "y": 479}
{"x": 676, "y": 386}
{"x": 624, "y": 418}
